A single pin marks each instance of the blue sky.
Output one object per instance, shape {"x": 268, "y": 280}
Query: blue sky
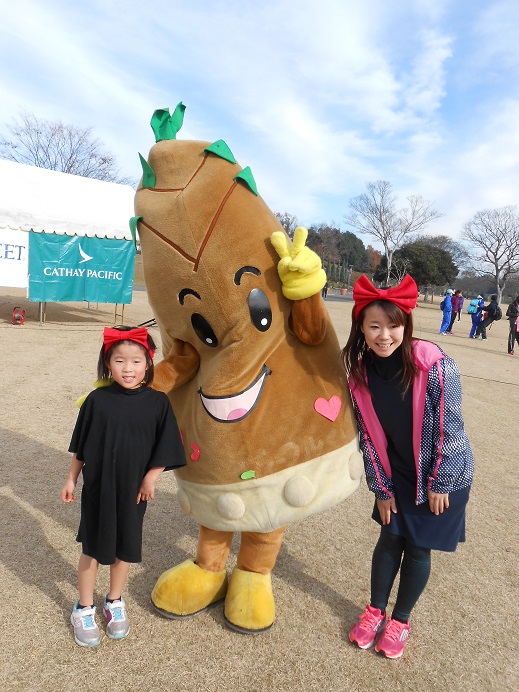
{"x": 317, "y": 96}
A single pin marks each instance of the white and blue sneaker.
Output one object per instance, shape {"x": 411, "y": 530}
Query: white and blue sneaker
{"x": 117, "y": 624}
{"x": 86, "y": 632}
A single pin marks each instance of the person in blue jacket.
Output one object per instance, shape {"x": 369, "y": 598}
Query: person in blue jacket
{"x": 477, "y": 316}
{"x": 447, "y": 311}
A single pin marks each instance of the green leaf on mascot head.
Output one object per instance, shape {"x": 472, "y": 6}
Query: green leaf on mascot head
{"x": 221, "y": 149}
{"x": 166, "y": 126}
{"x": 133, "y": 227}
{"x": 148, "y": 174}
{"x": 247, "y": 177}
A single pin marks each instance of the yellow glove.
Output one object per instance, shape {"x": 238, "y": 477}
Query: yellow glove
{"x": 299, "y": 268}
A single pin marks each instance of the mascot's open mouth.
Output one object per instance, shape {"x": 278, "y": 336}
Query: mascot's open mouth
{"x": 230, "y": 409}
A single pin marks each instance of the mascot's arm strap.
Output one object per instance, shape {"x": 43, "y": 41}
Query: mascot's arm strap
{"x": 179, "y": 366}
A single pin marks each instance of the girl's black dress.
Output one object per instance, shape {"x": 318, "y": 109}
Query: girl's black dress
{"x": 414, "y": 522}
{"x": 119, "y": 435}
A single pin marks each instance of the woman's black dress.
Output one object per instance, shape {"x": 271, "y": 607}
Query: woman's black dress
{"x": 414, "y": 522}
{"x": 119, "y": 435}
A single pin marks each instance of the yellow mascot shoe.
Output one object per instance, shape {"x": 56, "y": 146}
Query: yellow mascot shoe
{"x": 249, "y": 604}
{"x": 187, "y": 589}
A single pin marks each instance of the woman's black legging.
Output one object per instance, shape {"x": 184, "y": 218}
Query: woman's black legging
{"x": 414, "y": 566}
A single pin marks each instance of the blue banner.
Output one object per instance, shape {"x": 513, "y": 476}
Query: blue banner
{"x": 75, "y": 268}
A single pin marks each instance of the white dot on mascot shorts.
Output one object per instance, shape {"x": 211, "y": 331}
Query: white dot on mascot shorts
{"x": 299, "y": 492}
{"x": 356, "y": 465}
{"x": 230, "y": 506}
{"x": 183, "y": 501}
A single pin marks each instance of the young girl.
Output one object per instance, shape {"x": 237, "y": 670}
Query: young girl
{"x": 407, "y": 399}
{"x": 125, "y": 436}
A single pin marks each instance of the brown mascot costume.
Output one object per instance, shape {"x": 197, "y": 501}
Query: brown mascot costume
{"x": 251, "y": 365}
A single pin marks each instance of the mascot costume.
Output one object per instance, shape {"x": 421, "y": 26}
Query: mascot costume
{"x": 251, "y": 366}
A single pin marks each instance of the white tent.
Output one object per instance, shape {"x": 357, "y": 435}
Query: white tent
{"x": 47, "y": 201}
{"x": 42, "y": 200}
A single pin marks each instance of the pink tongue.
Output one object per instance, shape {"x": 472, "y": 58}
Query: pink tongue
{"x": 237, "y": 413}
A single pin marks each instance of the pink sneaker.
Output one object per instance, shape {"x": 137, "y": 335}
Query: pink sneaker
{"x": 392, "y": 642}
{"x": 370, "y": 623}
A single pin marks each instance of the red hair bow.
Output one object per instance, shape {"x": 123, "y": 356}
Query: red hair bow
{"x": 404, "y": 295}
{"x": 139, "y": 335}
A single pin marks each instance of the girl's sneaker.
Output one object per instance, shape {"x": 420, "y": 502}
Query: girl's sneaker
{"x": 392, "y": 642}
{"x": 86, "y": 632}
{"x": 117, "y": 624}
{"x": 371, "y": 622}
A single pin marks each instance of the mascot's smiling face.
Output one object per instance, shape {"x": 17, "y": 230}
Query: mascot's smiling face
{"x": 207, "y": 233}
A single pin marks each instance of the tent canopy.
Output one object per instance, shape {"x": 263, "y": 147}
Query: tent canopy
{"x": 53, "y": 202}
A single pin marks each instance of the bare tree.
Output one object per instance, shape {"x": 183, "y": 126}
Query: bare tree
{"x": 493, "y": 236}
{"x": 59, "y": 147}
{"x": 375, "y": 213}
{"x": 288, "y": 221}
{"x": 329, "y": 237}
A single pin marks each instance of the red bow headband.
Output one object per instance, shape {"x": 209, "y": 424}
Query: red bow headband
{"x": 139, "y": 335}
{"x": 404, "y": 295}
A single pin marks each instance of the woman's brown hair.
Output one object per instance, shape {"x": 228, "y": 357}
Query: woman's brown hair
{"x": 355, "y": 351}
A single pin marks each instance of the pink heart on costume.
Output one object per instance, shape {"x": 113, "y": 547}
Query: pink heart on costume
{"x": 329, "y": 409}
{"x": 196, "y": 451}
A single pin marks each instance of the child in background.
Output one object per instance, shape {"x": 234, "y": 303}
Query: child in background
{"x": 478, "y": 304}
{"x": 490, "y": 310}
{"x": 512, "y": 312}
{"x": 125, "y": 436}
{"x": 407, "y": 400}
{"x": 447, "y": 311}
{"x": 455, "y": 301}
{"x": 460, "y": 305}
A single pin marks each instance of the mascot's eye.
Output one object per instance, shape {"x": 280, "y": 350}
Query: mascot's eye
{"x": 260, "y": 312}
{"x": 204, "y": 330}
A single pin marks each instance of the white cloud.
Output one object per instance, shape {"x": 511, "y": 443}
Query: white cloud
{"x": 317, "y": 96}
{"x": 425, "y": 87}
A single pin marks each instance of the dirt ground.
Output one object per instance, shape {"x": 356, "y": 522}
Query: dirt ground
{"x": 464, "y": 629}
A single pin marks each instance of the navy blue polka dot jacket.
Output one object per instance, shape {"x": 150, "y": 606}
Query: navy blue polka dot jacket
{"x": 443, "y": 458}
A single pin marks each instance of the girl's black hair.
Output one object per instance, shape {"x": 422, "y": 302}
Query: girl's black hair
{"x": 103, "y": 372}
{"x": 354, "y": 353}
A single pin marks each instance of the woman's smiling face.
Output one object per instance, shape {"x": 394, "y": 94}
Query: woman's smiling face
{"x": 382, "y": 335}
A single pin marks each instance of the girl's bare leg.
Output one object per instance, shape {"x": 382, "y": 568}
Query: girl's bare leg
{"x": 86, "y": 579}
{"x": 118, "y": 574}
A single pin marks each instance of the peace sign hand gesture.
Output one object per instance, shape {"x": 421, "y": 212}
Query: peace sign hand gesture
{"x": 299, "y": 268}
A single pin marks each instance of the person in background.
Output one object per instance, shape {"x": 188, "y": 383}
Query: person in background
{"x": 406, "y": 395}
{"x": 490, "y": 309}
{"x": 460, "y": 305}
{"x": 455, "y": 309}
{"x": 478, "y": 303}
{"x": 447, "y": 311}
{"x": 324, "y": 292}
{"x": 512, "y": 312}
